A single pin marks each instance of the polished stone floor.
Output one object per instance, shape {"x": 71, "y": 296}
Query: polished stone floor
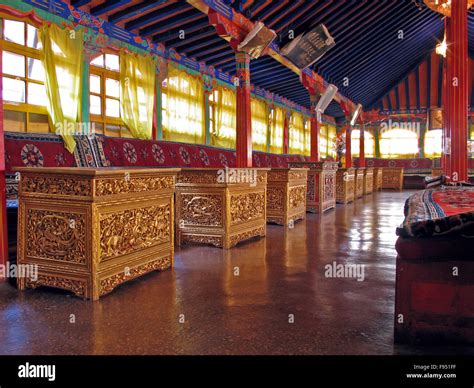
{"x": 267, "y": 296}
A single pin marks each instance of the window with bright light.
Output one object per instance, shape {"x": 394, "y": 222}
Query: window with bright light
{"x": 259, "y": 114}
{"x": 323, "y": 141}
{"x": 104, "y": 96}
{"x": 307, "y": 137}
{"x": 296, "y": 134}
{"x": 434, "y": 143}
{"x": 24, "y": 93}
{"x": 332, "y": 138}
{"x": 399, "y": 143}
{"x": 222, "y": 117}
{"x": 183, "y": 107}
{"x": 369, "y": 143}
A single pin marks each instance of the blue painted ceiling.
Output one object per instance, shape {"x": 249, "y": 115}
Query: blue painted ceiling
{"x": 377, "y": 42}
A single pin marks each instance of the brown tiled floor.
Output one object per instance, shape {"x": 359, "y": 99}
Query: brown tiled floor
{"x": 225, "y": 314}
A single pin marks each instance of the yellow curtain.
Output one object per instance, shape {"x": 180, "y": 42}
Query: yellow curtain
{"x": 184, "y": 118}
{"x": 137, "y": 93}
{"x": 296, "y": 136}
{"x": 259, "y": 124}
{"x": 323, "y": 141}
{"x": 63, "y": 57}
{"x": 307, "y": 136}
{"x": 332, "y": 136}
{"x": 224, "y": 133}
{"x": 277, "y": 128}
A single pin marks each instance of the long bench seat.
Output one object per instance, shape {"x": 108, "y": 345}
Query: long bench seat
{"x": 434, "y": 298}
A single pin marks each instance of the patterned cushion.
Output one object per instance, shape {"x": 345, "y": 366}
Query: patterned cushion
{"x": 437, "y": 212}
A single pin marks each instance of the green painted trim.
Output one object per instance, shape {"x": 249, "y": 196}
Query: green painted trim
{"x": 85, "y": 116}
{"x": 159, "y": 113}
{"x": 421, "y": 140}
{"x": 377, "y": 143}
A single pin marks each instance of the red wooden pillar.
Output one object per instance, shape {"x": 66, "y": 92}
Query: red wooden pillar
{"x": 3, "y": 194}
{"x": 244, "y": 122}
{"x": 457, "y": 97}
{"x": 314, "y": 125}
{"x": 348, "y": 146}
{"x": 362, "y": 146}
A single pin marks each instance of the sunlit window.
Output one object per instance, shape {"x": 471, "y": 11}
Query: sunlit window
{"x": 183, "y": 107}
{"x": 222, "y": 116}
{"x": 296, "y": 134}
{"x": 104, "y": 96}
{"x": 369, "y": 143}
{"x": 399, "y": 143}
{"x": 24, "y": 93}
{"x": 259, "y": 124}
{"x": 307, "y": 137}
{"x": 323, "y": 141}
{"x": 434, "y": 143}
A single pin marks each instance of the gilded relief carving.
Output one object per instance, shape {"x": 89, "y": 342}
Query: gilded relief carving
{"x": 55, "y": 185}
{"x": 236, "y": 238}
{"x": 311, "y": 194}
{"x": 275, "y": 198}
{"x": 131, "y": 230}
{"x": 201, "y": 239}
{"x": 197, "y": 178}
{"x": 56, "y": 235}
{"x": 78, "y": 287}
{"x": 133, "y": 185}
{"x": 297, "y": 196}
{"x": 247, "y": 207}
{"x": 205, "y": 210}
{"x": 109, "y": 283}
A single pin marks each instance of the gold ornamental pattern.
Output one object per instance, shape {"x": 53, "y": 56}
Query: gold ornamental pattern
{"x": 78, "y": 287}
{"x": 56, "y": 236}
{"x": 297, "y": 196}
{"x": 275, "y": 198}
{"x": 236, "y": 238}
{"x": 109, "y": 283}
{"x": 55, "y": 185}
{"x": 134, "y": 229}
{"x": 202, "y": 210}
{"x": 247, "y": 207}
{"x": 133, "y": 185}
{"x": 197, "y": 177}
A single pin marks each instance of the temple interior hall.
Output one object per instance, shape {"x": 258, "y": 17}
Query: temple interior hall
{"x": 236, "y": 177}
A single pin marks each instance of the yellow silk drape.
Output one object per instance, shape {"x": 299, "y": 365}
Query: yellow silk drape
{"x": 259, "y": 124}
{"x": 277, "y": 128}
{"x": 63, "y": 58}
{"x": 332, "y": 137}
{"x": 296, "y": 142}
{"x": 184, "y": 117}
{"x": 224, "y": 133}
{"x": 323, "y": 141}
{"x": 137, "y": 93}
{"x": 307, "y": 137}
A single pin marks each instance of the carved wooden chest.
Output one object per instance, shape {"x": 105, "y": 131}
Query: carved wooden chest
{"x": 89, "y": 230}
{"x": 359, "y": 182}
{"x": 378, "y": 172}
{"x": 221, "y": 207}
{"x": 392, "y": 178}
{"x": 368, "y": 180}
{"x": 321, "y": 186}
{"x": 286, "y": 195}
{"x": 345, "y": 185}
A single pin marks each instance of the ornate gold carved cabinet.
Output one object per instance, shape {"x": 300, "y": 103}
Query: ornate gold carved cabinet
{"x": 286, "y": 195}
{"x": 345, "y": 185}
{"x": 368, "y": 180}
{"x": 321, "y": 190}
{"x": 392, "y": 178}
{"x": 378, "y": 171}
{"x": 89, "y": 230}
{"x": 359, "y": 182}
{"x": 221, "y": 207}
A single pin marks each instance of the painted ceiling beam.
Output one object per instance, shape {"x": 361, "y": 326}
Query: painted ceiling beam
{"x": 160, "y": 14}
{"x": 80, "y": 3}
{"x": 136, "y": 10}
{"x": 108, "y": 6}
{"x": 241, "y": 26}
